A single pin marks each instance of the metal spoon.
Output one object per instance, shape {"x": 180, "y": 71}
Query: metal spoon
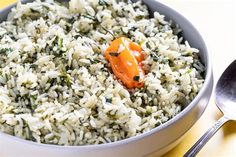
{"x": 225, "y": 98}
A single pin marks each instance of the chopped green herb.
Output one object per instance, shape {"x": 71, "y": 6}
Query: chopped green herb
{"x": 30, "y": 133}
{"x": 188, "y": 54}
{"x": 28, "y": 60}
{"x": 52, "y": 81}
{"x": 148, "y": 110}
{"x": 33, "y": 106}
{"x": 155, "y": 59}
{"x": 34, "y": 66}
{"x": 34, "y": 11}
{"x": 78, "y": 35}
{"x": 139, "y": 17}
{"x": 71, "y": 20}
{"x": 59, "y": 42}
{"x": 171, "y": 63}
{"x": 134, "y": 28}
{"x": 148, "y": 45}
{"x": 111, "y": 116}
{"x": 136, "y": 78}
{"x": 66, "y": 78}
{"x": 108, "y": 31}
{"x": 102, "y": 2}
{"x": 34, "y": 97}
{"x": 27, "y": 84}
{"x": 109, "y": 100}
{"x": 189, "y": 70}
{"x": 6, "y": 50}
{"x": 55, "y": 41}
{"x": 89, "y": 17}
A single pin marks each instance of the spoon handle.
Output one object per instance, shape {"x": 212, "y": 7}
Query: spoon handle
{"x": 205, "y": 138}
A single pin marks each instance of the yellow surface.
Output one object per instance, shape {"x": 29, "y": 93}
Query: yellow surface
{"x": 4, "y": 3}
{"x": 223, "y": 144}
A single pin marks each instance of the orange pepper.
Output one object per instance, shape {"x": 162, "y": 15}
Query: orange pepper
{"x": 125, "y": 58}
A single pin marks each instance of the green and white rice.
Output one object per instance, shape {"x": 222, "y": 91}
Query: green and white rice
{"x": 56, "y": 87}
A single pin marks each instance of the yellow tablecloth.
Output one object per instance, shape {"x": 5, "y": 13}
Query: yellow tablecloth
{"x": 223, "y": 144}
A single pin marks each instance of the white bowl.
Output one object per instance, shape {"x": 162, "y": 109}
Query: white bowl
{"x": 157, "y": 141}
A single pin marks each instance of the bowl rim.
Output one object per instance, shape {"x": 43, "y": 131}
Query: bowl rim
{"x": 208, "y": 80}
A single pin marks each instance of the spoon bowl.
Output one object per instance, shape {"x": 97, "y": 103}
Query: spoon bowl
{"x": 225, "y": 98}
{"x": 225, "y": 92}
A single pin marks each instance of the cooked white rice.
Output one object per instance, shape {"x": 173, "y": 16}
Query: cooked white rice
{"x": 56, "y": 87}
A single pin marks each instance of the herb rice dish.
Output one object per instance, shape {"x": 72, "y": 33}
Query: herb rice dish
{"x": 92, "y": 71}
